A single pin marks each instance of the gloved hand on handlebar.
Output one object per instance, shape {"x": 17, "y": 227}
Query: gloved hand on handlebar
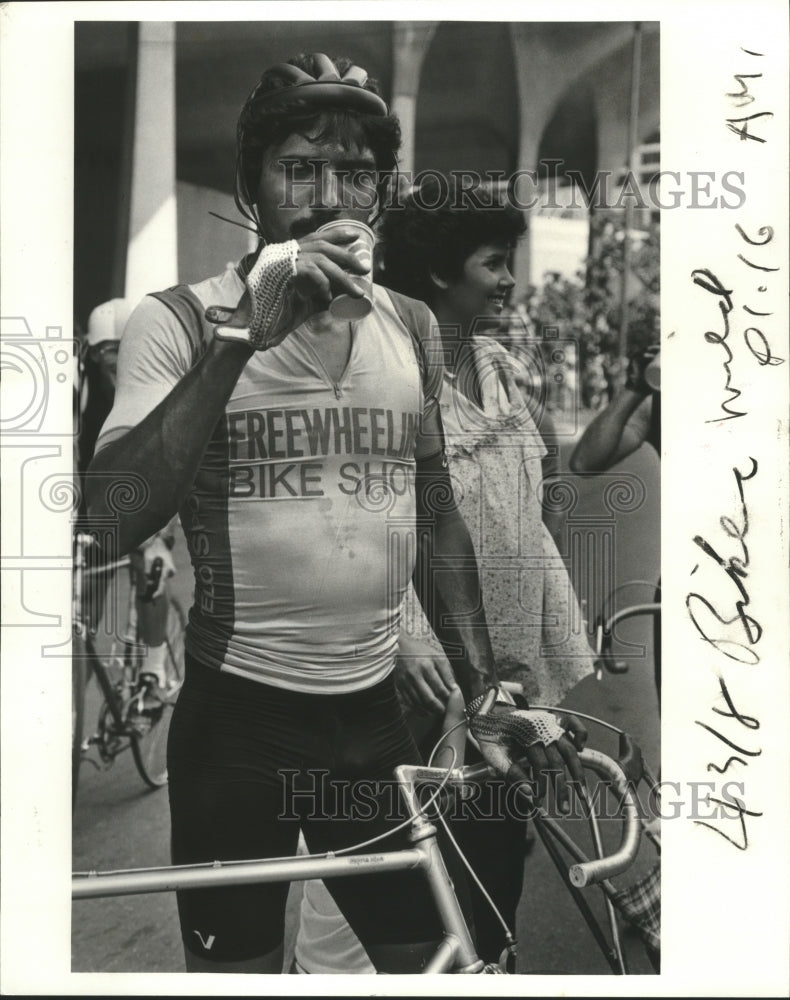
{"x": 513, "y": 740}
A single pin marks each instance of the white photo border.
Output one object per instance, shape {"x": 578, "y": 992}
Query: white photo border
{"x": 726, "y": 926}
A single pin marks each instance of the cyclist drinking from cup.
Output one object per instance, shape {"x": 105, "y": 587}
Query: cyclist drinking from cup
{"x": 301, "y": 449}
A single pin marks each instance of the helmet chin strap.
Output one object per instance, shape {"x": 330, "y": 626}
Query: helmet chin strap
{"x": 241, "y": 196}
{"x": 389, "y": 185}
{"x": 233, "y": 222}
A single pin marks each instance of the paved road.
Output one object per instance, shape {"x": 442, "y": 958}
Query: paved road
{"x": 118, "y": 824}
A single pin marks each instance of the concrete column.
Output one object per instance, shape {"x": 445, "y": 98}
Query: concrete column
{"x": 152, "y": 254}
{"x": 539, "y": 89}
{"x": 410, "y": 43}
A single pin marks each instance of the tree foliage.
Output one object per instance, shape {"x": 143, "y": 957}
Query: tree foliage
{"x": 587, "y": 308}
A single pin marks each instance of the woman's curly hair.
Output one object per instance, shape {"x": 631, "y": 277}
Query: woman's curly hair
{"x": 436, "y": 228}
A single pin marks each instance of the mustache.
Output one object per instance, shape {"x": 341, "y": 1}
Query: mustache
{"x": 303, "y": 227}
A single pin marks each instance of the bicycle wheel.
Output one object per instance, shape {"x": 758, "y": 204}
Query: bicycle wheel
{"x": 79, "y": 678}
{"x": 149, "y": 740}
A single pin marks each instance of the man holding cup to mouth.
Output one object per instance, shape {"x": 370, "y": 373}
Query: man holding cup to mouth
{"x": 287, "y": 409}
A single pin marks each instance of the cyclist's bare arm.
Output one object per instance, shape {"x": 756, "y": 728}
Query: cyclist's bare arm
{"x": 447, "y": 581}
{"x": 423, "y": 676}
{"x": 166, "y": 447}
{"x": 446, "y": 576}
{"x": 613, "y": 434}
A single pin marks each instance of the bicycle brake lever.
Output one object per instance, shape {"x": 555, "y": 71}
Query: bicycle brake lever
{"x": 629, "y": 757}
{"x": 613, "y": 666}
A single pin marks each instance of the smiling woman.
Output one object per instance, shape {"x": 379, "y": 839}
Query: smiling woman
{"x": 455, "y": 256}
{"x": 450, "y": 247}
{"x": 482, "y": 286}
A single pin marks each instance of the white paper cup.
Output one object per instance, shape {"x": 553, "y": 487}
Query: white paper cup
{"x": 653, "y": 374}
{"x": 346, "y": 306}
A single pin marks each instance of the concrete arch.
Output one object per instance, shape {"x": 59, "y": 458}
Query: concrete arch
{"x": 549, "y": 59}
{"x": 571, "y": 133}
{"x": 611, "y": 78}
{"x": 553, "y": 59}
{"x": 467, "y": 106}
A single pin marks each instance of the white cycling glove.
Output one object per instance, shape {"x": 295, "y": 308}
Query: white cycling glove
{"x": 510, "y": 730}
{"x": 267, "y": 284}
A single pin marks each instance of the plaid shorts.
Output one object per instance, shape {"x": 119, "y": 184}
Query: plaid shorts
{"x": 640, "y": 904}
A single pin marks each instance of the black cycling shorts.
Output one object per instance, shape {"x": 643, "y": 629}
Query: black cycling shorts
{"x": 249, "y": 765}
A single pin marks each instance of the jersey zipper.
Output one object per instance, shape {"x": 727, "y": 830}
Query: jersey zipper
{"x": 336, "y": 386}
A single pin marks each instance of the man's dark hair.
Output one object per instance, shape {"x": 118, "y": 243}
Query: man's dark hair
{"x": 264, "y": 123}
{"x": 437, "y": 228}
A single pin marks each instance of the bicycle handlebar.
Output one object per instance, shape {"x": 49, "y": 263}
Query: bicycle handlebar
{"x": 583, "y": 873}
{"x": 599, "y": 869}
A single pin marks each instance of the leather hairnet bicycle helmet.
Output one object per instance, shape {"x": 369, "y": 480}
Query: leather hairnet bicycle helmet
{"x": 329, "y": 89}
{"x": 289, "y": 89}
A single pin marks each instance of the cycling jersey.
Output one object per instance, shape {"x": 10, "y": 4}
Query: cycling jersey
{"x": 300, "y": 519}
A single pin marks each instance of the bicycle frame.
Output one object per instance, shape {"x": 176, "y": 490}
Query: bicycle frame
{"x": 80, "y": 626}
{"x": 115, "y": 734}
{"x": 456, "y": 952}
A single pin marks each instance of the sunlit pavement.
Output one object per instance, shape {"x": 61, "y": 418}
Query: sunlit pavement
{"x": 119, "y": 824}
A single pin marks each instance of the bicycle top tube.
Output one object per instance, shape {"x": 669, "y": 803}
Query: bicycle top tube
{"x": 92, "y": 885}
